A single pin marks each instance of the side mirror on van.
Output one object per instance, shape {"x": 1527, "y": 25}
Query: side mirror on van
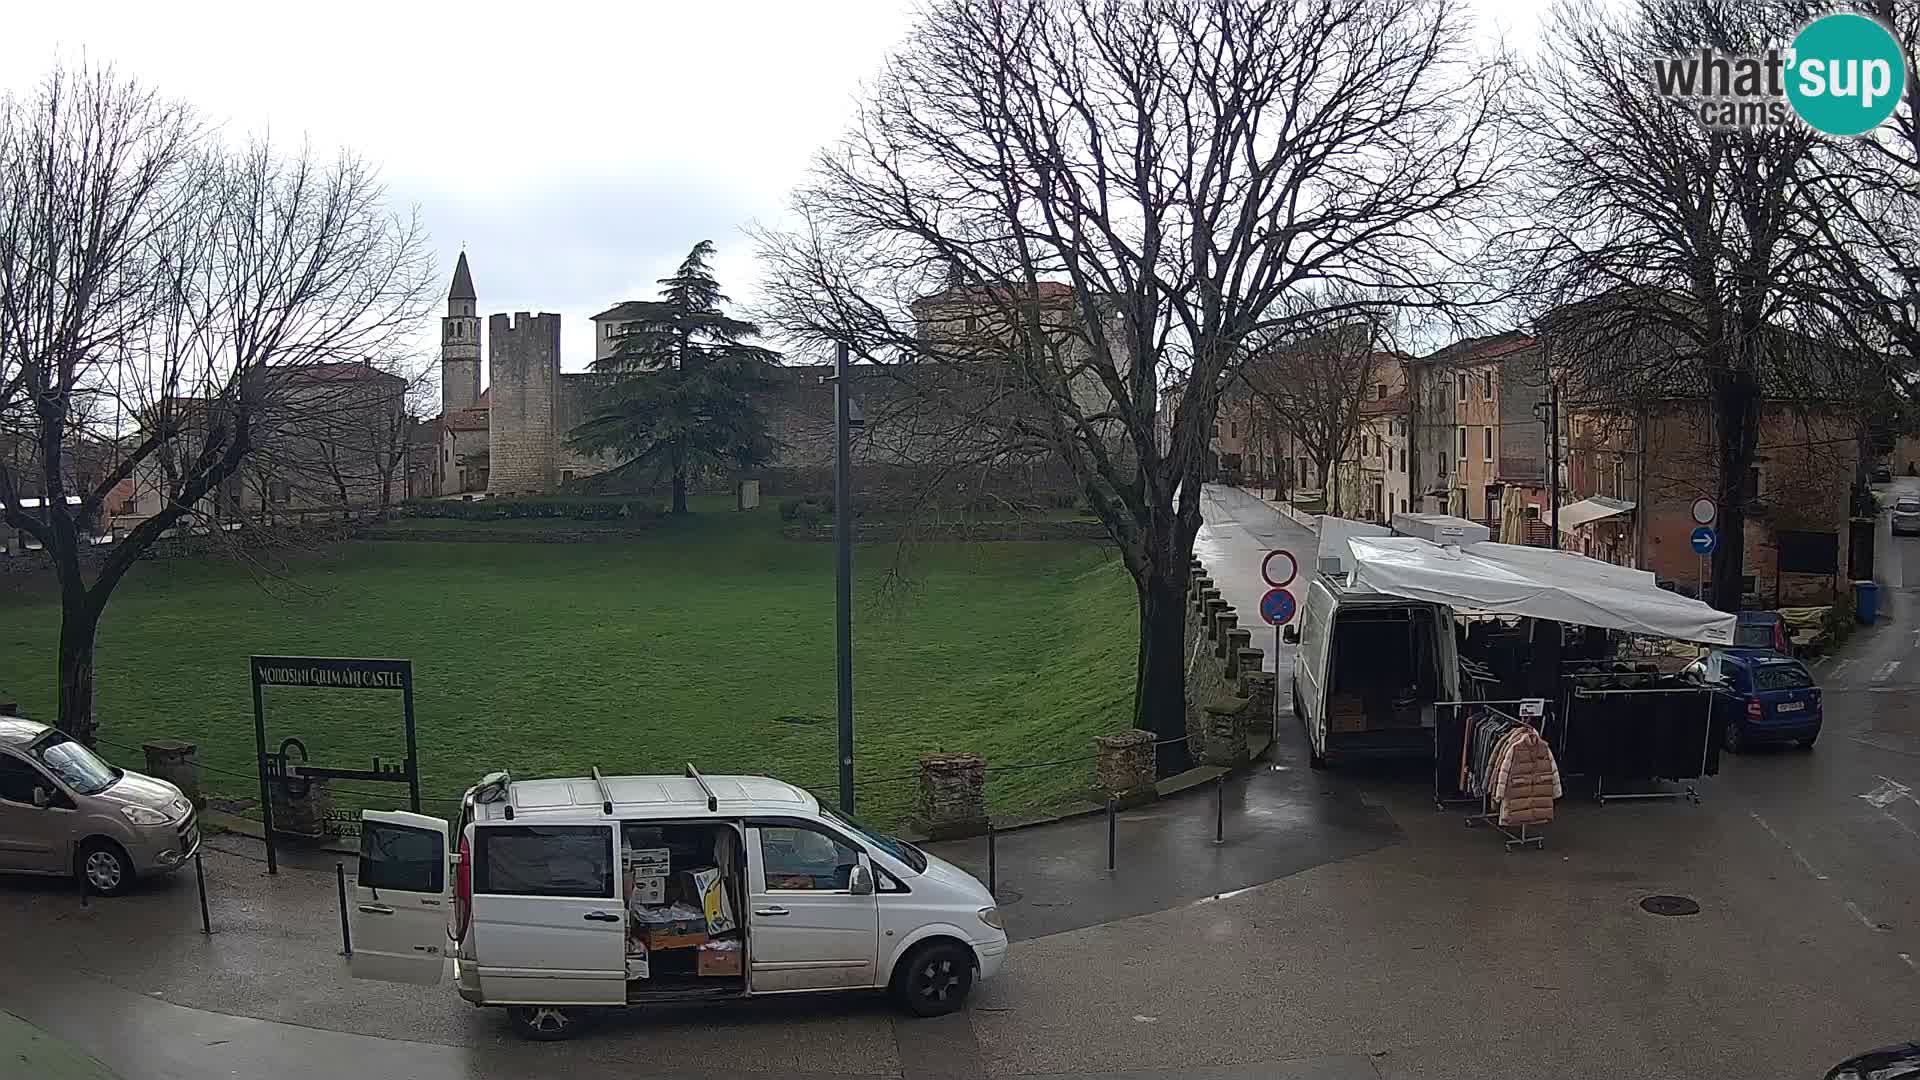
{"x": 860, "y": 879}
{"x": 41, "y": 798}
{"x": 1290, "y": 635}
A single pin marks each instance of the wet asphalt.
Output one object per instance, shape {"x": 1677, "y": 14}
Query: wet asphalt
{"x": 1345, "y": 929}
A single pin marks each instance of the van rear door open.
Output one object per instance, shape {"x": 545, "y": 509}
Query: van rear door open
{"x": 548, "y": 924}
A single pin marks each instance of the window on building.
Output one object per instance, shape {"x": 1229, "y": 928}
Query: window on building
{"x": 1403, "y": 506}
{"x": 1460, "y": 386}
{"x": 1753, "y": 483}
{"x": 1379, "y": 391}
{"x": 1440, "y": 463}
{"x": 1486, "y": 385}
{"x": 1489, "y": 439}
{"x": 973, "y": 323}
{"x": 278, "y": 491}
{"x": 1233, "y": 429}
{"x": 1462, "y": 433}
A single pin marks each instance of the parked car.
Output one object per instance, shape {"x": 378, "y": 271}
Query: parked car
{"x": 1882, "y": 473}
{"x": 1899, "y": 1062}
{"x": 556, "y": 904}
{"x": 65, "y": 811}
{"x": 1764, "y": 697}
{"x": 1905, "y": 517}
{"x": 1762, "y": 630}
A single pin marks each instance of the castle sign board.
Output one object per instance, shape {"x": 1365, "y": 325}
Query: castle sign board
{"x": 332, "y": 672}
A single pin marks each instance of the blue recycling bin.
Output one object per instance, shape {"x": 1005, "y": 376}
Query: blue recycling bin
{"x": 1866, "y": 601}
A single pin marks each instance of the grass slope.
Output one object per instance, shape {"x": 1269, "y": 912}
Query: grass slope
{"x": 708, "y": 640}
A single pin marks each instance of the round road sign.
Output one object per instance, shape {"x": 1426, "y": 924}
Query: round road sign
{"x": 1277, "y": 606}
{"x": 1279, "y": 568}
{"x": 1704, "y": 511}
{"x": 1702, "y": 540}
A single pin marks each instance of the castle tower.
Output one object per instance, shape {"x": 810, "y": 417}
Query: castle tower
{"x": 523, "y": 363}
{"x": 460, "y": 344}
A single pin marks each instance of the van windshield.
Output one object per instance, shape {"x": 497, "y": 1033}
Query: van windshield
{"x": 77, "y": 767}
{"x": 892, "y": 845}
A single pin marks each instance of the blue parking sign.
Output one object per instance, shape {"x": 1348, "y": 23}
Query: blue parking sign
{"x": 1702, "y": 540}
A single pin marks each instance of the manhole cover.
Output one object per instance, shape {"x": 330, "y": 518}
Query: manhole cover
{"x": 1671, "y": 905}
{"x": 1006, "y": 897}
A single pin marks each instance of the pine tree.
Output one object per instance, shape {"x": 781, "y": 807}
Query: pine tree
{"x": 678, "y": 396}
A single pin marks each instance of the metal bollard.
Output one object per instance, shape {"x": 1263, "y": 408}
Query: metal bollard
{"x": 1112, "y": 806}
{"x": 346, "y": 935}
{"x": 200, "y": 879}
{"x": 993, "y": 864}
{"x": 1220, "y": 809}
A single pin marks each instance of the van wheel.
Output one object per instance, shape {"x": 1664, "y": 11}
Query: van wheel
{"x": 935, "y": 980}
{"x": 106, "y": 868}
{"x": 543, "y": 1023}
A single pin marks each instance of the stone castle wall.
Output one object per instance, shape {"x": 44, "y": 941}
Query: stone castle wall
{"x": 523, "y": 439}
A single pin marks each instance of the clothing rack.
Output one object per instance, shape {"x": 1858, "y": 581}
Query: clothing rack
{"x": 1489, "y": 815}
{"x": 1445, "y": 794}
{"x": 1686, "y": 788}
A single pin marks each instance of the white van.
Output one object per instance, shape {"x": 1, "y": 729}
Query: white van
{"x": 1369, "y": 670}
{"x": 561, "y": 899}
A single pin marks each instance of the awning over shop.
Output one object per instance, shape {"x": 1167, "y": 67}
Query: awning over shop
{"x": 1574, "y": 515}
{"x": 1510, "y": 579}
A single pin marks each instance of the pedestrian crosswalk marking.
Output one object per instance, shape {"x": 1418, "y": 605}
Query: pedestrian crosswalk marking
{"x": 1886, "y": 671}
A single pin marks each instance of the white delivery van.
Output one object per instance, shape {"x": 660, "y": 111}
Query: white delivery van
{"x": 564, "y": 896}
{"x": 1369, "y": 670}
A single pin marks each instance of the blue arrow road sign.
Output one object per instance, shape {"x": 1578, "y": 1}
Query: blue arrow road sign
{"x": 1702, "y": 540}
{"x": 1277, "y": 606}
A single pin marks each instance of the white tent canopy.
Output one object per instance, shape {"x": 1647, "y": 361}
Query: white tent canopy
{"x": 1574, "y": 515}
{"x": 1510, "y": 579}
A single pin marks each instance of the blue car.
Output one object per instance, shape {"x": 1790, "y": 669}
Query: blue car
{"x": 1765, "y": 697}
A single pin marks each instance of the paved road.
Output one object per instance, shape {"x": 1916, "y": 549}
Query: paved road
{"x": 1237, "y": 531}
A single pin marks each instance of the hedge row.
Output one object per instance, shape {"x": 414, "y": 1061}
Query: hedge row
{"x": 578, "y": 509}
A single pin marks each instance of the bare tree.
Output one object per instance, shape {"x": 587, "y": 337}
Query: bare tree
{"x": 1677, "y": 257}
{"x": 1119, "y": 196}
{"x": 1313, "y": 384}
{"x": 152, "y": 280}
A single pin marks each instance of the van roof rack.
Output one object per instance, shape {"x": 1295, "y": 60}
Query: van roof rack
{"x": 713, "y": 801}
{"x": 606, "y": 796}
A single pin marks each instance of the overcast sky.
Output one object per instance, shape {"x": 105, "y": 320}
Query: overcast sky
{"x": 575, "y": 150}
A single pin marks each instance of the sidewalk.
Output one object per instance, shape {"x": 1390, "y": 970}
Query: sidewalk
{"x": 33, "y": 1052}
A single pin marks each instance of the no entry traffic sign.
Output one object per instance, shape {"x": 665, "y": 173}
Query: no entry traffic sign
{"x": 1277, "y": 606}
{"x": 1279, "y": 568}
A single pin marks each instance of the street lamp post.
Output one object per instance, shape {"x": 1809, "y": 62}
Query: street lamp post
{"x": 843, "y": 571}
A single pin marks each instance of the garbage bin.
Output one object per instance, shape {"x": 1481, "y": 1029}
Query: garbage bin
{"x": 1866, "y": 601}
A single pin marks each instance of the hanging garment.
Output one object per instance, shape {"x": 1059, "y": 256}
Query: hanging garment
{"x": 1528, "y": 781}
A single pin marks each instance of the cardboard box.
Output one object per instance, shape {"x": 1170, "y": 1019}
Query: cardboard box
{"x": 674, "y": 937}
{"x": 647, "y": 860}
{"x": 721, "y": 956}
{"x": 645, "y": 889}
{"x": 706, "y": 889}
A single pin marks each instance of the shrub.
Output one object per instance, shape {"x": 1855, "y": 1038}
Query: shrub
{"x": 575, "y": 508}
{"x": 810, "y": 513}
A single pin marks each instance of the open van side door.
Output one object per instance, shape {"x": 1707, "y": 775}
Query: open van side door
{"x": 400, "y": 902}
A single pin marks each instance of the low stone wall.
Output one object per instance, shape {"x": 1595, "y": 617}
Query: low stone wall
{"x": 990, "y": 532}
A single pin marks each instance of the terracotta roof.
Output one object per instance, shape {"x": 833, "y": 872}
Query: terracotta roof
{"x": 462, "y": 281}
{"x": 1393, "y": 403}
{"x": 464, "y": 420}
{"x": 632, "y": 309}
{"x": 1046, "y": 290}
{"x": 486, "y": 399}
{"x": 355, "y": 369}
{"x": 1480, "y": 350}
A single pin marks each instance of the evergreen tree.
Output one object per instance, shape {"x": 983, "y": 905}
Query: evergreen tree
{"x": 678, "y": 397}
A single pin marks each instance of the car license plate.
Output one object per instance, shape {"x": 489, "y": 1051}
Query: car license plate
{"x": 1790, "y": 706}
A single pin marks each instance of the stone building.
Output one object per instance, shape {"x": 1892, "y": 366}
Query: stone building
{"x": 511, "y": 437}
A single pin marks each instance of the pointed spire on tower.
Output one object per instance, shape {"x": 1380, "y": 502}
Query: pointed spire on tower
{"x": 462, "y": 281}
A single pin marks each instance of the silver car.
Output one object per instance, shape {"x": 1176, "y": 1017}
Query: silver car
{"x": 65, "y": 811}
{"x": 1906, "y": 515}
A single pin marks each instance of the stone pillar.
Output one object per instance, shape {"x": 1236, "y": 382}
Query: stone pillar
{"x": 178, "y": 763}
{"x": 1226, "y": 720}
{"x": 1211, "y": 615}
{"x": 1124, "y": 769}
{"x": 302, "y": 816}
{"x": 1202, "y": 592}
{"x": 1258, "y": 688}
{"x": 952, "y": 800}
{"x": 1237, "y": 638}
{"x": 1223, "y": 629}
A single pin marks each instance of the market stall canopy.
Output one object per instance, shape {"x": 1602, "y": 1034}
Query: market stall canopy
{"x": 1574, "y": 515}
{"x": 1509, "y": 579}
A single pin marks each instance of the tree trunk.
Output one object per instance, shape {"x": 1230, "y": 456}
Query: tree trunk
{"x": 76, "y": 672}
{"x": 1736, "y": 426}
{"x": 1160, "y": 683}
{"x": 679, "y": 490}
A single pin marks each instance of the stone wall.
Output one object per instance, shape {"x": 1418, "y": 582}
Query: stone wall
{"x": 1221, "y": 677}
{"x": 524, "y": 361}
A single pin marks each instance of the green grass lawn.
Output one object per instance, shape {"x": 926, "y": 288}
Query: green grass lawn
{"x": 707, "y": 641}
